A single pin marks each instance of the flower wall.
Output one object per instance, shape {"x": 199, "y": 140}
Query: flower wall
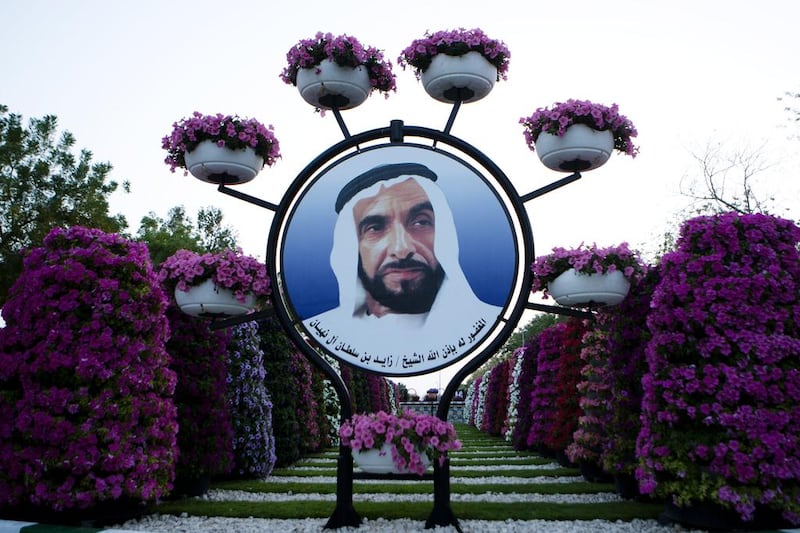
{"x": 527, "y": 374}
{"x": 305, "y": 402}
{"x": 86, "y": 411}
{"x": 496, "y": 399}
{"x": 593, "y": 399}
{"x": 554, "y": 398}
{"x": 205, "y": 436}
{"x": 627, "y": 339}
{"x": 250, "y": 405}
{"x": 513, "y": 394}
{"x": 721, "y": 406}
{"x": 278, "y": 352}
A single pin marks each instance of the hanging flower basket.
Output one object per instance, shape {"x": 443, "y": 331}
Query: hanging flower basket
{"x": 581, "y": 148}
{"x": 220, "y": 148}
{"x": 212, "y": 163}
{"x": 379, "y": 460}
{"x": 587, "y": 275}
{"x": 337, "y": 71}
{"x": 328, "y": 84}
{"x": 576, "y": 289}
{"x": 578, "y": 135}
{"x": 468, "y": 78}
{"x": 409, "y": 441}
{"x": 207, "y": 300}
{"x": 215, "y": 285}
{"x": 457, "y": 65}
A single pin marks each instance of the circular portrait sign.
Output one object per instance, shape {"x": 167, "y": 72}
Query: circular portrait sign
{"x": 399, "y": 259}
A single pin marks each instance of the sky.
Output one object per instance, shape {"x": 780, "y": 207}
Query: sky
{"x": 688, "y": 73}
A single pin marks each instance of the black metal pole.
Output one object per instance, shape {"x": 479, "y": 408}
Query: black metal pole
{"x": 551, "y": 187}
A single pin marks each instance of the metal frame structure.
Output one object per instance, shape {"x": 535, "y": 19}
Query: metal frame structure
{"x": 344, "y": 513}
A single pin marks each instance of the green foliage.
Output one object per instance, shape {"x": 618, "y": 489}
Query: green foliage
{"x": 165, "y": 236}
{"x": 44, "y": 185}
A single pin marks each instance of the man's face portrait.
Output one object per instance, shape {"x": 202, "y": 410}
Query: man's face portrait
{"x": 396, "y": 230}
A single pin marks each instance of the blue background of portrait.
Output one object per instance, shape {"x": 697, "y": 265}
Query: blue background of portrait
{"x": 485, "y": 236}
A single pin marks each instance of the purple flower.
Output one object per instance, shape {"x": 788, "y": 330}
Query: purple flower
{"x": 721, "y": 392}
{"x": 84, "y": 379}
{"x": 588, "y": 260}
{"x": 556, "y": 119}
{"x": 226, "y": 131}
{"x": 345, "y": 51}
{"x": 229, "y": 269}
{"x": 409, "y": 434}
{"x": 458, "y": 42}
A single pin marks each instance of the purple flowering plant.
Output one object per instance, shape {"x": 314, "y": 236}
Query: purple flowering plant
{"x": 590, "y": 436}
{"x": 86, "y": 392}
{"x": 721, "y": 404}
{"x": 250, "y": 405}
{"x": 586, "y": 259}
{"x": 228, "y": 269}
{"x": 205, "y": 436}
{"x": 628, "y": 336}
{"x": 561, "y": 115}
{"x": 543, "y": 394}
{"x": 306, "y": 404}
{"x": 229, "y": 131}
{"x": 345, "y": 51}
{"x": 419, "y": 54}
{"x": 410, "y": 435}
{"x": 496, "y": 400}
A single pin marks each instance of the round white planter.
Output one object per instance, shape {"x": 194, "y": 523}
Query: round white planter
{"x": 320, "y": 85}
{"x": 379, "y": 461}
{"x": 575, "y": 289}
{"x": 216, "y": 164}
{"x": 206, "y": 300}
{"x": 580, "y": 148}
{"x": 470, "y": 71}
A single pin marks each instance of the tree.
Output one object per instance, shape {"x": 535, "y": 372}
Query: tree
{"x": 44, "y": 185}
{"x": 794, "y": 111}
{"x": 164, "y": 237}
{"x": 727, "y": 181}
{"x": 525, "y": 333}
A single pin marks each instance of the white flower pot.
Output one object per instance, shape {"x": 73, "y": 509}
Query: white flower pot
{"x": 212, "y": 163}
{"x": 206, "y": 300}
{"x": 379, "y": 460}
{"x": 470, "y": 71}
{"x": 580, "y": 148}
{"x": 321, "y": 84}
{"x": 575, "y": 289}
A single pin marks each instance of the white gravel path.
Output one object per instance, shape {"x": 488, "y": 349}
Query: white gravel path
{"x": 453, "y": 479}
{"x": 190, "y": 524}
{"x": 244, "y": 496}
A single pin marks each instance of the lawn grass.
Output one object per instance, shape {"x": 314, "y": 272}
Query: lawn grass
{"x": 413, "y": 488}
{"x": 417, "y": 510}
{"x": 547, "y": 472}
